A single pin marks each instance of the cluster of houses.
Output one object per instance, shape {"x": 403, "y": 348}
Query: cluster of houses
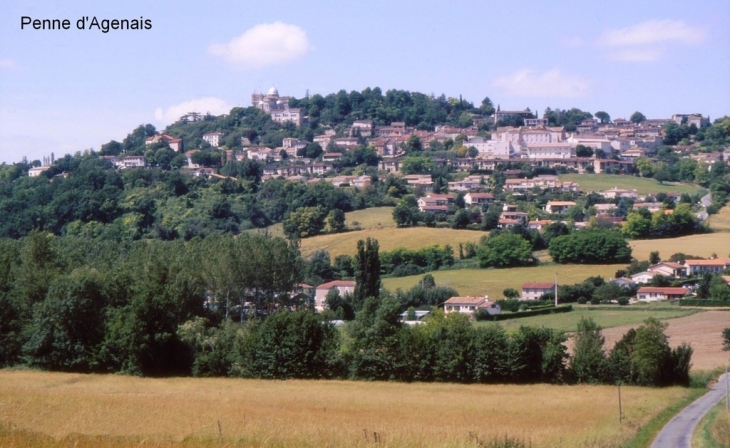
{"x": 471, "y": 305}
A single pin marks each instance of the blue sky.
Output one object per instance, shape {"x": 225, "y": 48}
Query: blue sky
{"x": 63, "y": 91}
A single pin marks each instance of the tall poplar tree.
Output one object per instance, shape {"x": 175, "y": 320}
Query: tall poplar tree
{"x": 367, "y": 272}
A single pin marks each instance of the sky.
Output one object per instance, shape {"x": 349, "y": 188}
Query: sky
{"x": 68, "y": 90}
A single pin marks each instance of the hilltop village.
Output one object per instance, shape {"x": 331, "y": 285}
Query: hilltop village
{"x": 196, "y": 248}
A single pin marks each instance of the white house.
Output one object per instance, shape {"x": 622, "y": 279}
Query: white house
{"x": 653, "y": 294}
{"x": 470, "y": 305}
{"x": 213, "y": 138}
{"x": 320, "y": 295}
{"x": 533, "y": 290}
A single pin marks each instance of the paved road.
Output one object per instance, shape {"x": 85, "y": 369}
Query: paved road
{"x": 706, "y": 201}
{"x": 678, "y": 432}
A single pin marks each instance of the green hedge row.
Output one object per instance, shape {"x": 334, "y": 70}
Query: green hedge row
{"x": 521, "y": 314}
{"x": 703, "y": 302}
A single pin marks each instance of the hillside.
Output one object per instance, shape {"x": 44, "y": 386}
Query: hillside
{"x": 600, "y": 182}
{"x": 491, "y": 282}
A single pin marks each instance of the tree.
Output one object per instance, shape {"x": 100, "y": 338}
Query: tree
{"x": 367, "y": 271}
{"x": 654, "y": 257}
{"x": 406, "y": 213}
{"x": 335, "y": 221}
{"x": 590, "y": 246}
{"x": 304, "y": 222}
{"x": 583, "y": 151}
{"x": 726, "y": 339}
{"x": 589, "y": 363}
{"x": 603, "y": 116}
{"x": 505, "y": 250}
{"x": 294, "y": 345}
{"x": 637, "y": 117}
{"x": 651, "y": 354}
{"x": 511, "y": 293}
{"x": 487, "y": 107}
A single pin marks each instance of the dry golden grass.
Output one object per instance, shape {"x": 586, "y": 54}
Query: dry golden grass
{"x": 389, "y": 238}
{"x": 720, "y": 222}
{"x": 701, "y": 245}
{"x": 370, "y": 218}
{"x": 130, "y": 411}
{"x": 491, "y": 282}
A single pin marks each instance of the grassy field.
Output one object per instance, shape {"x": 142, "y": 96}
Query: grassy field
{"x": 702, "y": 245}
{"x": 605, "y": 316}
{"x": 599, "y": 182}
{"x": 721, "y": 221}
{"x": 370, "y": 218}
{"x": 56, "y": 409}
{"x": 491, "y": 282}
{"x": 389, "y": 238}
{"x": 714, "y": 430}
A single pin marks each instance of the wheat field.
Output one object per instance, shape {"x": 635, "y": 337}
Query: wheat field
{"x": 58, "y": 409}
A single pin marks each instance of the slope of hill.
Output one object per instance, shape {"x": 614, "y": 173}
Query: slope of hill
{"x": 599, "y": 182}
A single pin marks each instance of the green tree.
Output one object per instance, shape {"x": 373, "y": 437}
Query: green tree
{"x": 295, "y": 345}
{"x": 505, "y": 250}
{"x": 637, "y": 117}
{"x": 726, "y": 339}
{"x": 335, "y": 221}
{"x": 603, "y": 116}
{"x": 590, "y": 246}
{"x": 367, "y": 271}
{"x": 589, "y": 363}
{"x": 511, "y": 293}
{"x": 304, "y": 222}
{"x": 652, "y": 355}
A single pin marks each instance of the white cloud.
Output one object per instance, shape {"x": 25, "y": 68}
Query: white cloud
{"x": 550, "y": 84}
{"x": 8, "y": 64}
{"x": 215, "y": 106}
{"x": 637, "y": 54}
{"x": 653, "y": 32}
{"x": 263, "y": 45}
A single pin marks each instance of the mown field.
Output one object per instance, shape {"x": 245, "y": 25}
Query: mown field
{"x": 720, "y": 222}
{"x": 491, "y": 282}
{"x": 57, "y": 409}
{"x": 389, "y": 238}
{"x": 605, "y": 316}
{"x": 599, "y": 182}
{"x": 703, "y": 245}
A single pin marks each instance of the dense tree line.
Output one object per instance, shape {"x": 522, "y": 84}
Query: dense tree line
{"x": 98, "y": 305}
{"x": 590, "y": 246}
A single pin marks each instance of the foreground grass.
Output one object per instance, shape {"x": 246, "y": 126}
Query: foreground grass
{"x": 703, "y": 245}
{"x": 49, "y": 409}
{"x": 491, "y": 282}
{"x": 605, "y": 316}
{"x": 600, "y": 182}
{"x": 714, "y": 429}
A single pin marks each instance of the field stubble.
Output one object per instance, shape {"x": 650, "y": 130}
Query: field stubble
{"x": 126, "y": 410}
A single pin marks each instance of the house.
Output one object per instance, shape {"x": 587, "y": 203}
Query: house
{"x": 623, "y": 282}
{"x": 646, "y": 277}
{"x": 468, "y": 183}
{"x": 331, "y": 156}
{"x": 435, "y": 203}
{"x": 470, "y": 305}
{"x": 534, "y": 290}
{"x": 655, "y": 294}
{"x": 174, "y": 143}
{"x": 37, "y": 170}
{"x": 478, "y": 198}
{"x": 519, "y": 217}
{"x": 277, "y": 107}
{"x": 320, "y": 295}
{"x": 419, "y": 315}
{"x": 213, "y": 138}
{"x": 559, "y": 207}
{"x": 670, "y": 269}
{"x": 701, "y": 267}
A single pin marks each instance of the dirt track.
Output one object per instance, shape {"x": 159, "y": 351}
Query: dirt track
{"x": 703, "y": 331}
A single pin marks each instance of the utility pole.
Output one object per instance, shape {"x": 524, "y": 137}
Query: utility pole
{"x": 727, "y": 391}
{"x": 556, "y": 289}
{"x": 620, "y": 411}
